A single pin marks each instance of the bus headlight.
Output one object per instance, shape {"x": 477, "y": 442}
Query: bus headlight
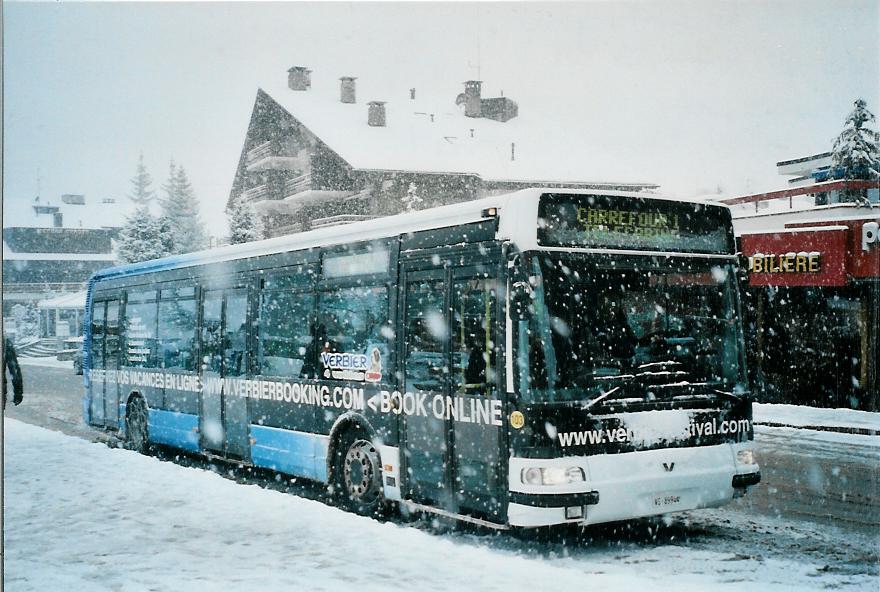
{"x": 746, "y": 457}
{"x": 532, "y": 476}
{"x": 552, "y": 475}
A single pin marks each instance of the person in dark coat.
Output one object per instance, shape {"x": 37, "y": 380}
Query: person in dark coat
{"x": 10, "y": 365}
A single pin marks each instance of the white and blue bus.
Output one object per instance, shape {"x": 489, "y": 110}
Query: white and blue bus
{"x": 540, "y": 358}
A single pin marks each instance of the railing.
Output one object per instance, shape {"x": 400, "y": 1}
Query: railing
{"x": 260, "y": 151}
{"x": 338, "y": 220}
{"x": 298, "y": 184}
{"x": 287, "y": 229}
{"x": 258, "y": 193}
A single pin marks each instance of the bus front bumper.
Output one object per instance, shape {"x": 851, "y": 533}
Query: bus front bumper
{"x": 631, "y": 485}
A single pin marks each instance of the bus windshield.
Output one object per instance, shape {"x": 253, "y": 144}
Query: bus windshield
{"x": 597, "y": 327}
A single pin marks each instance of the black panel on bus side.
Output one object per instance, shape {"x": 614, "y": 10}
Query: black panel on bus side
{"x": 453, "y": 235}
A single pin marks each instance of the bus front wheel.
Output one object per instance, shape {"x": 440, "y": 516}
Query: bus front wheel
{"x": 136, "y": 427}
{"x": 359, "y": 476}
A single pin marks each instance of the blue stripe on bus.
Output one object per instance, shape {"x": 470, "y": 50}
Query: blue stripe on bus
{"x": 120, "y": 423}
{"x": 174, "y": 429}
{"x": 87, "y": 407}
{"x": 296, "y": 453}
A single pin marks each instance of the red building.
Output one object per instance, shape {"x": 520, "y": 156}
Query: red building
{"x": 811, "y": 295}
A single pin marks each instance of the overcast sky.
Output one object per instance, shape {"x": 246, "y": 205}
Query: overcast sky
{"x": 705, "y": 94}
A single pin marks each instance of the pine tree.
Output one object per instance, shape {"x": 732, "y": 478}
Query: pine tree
{"x": 143, "y": 237}
{"x": 412, "y": 199}
{"x": 180, "y": 208}
{"x": 244, "y": 224}
{"x": 141, "y": 193}
{"x": 856, "y": 154}
{"x": 30, "y": 326}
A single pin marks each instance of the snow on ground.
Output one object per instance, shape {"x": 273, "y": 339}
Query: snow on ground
{"x": 799, "y": 416}
{"x": 82, "y": 516}
{"x": 45, "y": 361}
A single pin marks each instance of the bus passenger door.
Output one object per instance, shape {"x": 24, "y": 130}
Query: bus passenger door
{"x": 477, "y": 439}
{"x": 426, "y": 435}
{"x": 235, "y": 360}
{"x": 104, "y": 406}
{"x": 111, "y": 364}
{"x": 96, "y": 363}
{"x": 452, "y": 437}
{"x": 211, "y": 417}
{"x": 223, "y": 417}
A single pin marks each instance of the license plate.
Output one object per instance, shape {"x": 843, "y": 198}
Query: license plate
{"x": 661, "y": 501}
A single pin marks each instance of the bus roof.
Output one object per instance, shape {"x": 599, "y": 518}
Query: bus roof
{"x": 517, "y": 212}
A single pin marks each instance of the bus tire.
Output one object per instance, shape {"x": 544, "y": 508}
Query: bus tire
{"x": 137, "y": 426}
{"x": 358, "y": 475}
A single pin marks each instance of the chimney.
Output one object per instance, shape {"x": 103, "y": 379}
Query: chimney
{"x": 412, "y": 94}
{"x": 473, "y": 106}
{"x": 376, "y": 114}
{"x": 299, "y": 78}
{"x": 346, "y": 89}
{"x": 71, "y": 198}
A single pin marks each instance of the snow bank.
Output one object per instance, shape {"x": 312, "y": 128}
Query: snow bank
{"x": 801, "y": 416}
{"x": 45, "y": 361}
{"x": 82, "y": 516}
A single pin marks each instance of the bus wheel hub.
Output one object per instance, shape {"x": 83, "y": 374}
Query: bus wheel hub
{"x": 362, "y": 470}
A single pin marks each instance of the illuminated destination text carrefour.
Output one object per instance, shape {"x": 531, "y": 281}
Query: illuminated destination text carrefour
{"x": 628, "y": 221}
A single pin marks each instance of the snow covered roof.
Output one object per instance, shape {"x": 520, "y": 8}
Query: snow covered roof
{"x": 11, "y": 256}
{"x": 803, "y": 159}
{"x": 798, "y": 229}
{"x": 750, "y": 223}
{"x": 94, "y": 213}
{"x": 431, "y": 134}
{"x": 74, "y": 300}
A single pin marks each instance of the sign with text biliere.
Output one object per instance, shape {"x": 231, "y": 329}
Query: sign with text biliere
{"x": 801, "y": 257}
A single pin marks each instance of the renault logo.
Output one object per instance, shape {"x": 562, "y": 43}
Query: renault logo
{"x": 668, "y": 467}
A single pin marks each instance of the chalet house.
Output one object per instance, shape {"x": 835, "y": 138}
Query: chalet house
{"x": 315, "y": 157}
{"x": 42, "y": 257}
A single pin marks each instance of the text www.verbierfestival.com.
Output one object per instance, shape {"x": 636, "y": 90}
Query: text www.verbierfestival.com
{"x": 623, "y": 435}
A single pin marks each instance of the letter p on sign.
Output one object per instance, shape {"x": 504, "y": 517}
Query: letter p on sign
{"x": 870, "y": 234}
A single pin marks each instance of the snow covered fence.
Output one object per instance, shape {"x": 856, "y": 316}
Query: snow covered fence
{"x": 847, "y": 421}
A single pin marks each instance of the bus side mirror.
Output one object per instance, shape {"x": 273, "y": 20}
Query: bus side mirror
{"x": 520, "y": 300}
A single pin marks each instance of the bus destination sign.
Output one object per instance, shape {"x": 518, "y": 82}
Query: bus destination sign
{"x": 624, "y": 222}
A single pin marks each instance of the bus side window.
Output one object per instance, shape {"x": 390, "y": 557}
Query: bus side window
{"x": 354, "y": 321}
{"x": 285, "y": 329}
{"x": 141, "y": 347}
{"x": 473, "y": 341}
{"x": 177, "y": 334}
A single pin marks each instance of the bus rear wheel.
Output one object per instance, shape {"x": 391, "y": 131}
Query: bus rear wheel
{"x": 136, "y": 427}
{"x": 359, "y": 476}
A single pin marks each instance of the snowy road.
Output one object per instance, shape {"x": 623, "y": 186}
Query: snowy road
{"x": 140, "y": 523}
